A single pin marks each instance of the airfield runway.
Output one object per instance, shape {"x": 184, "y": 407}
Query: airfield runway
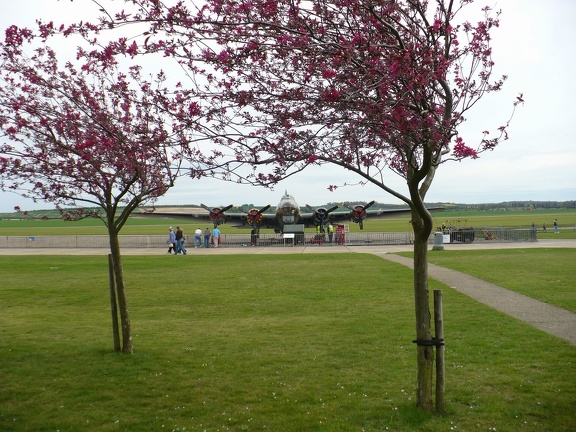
{"x": 548, "y": 318}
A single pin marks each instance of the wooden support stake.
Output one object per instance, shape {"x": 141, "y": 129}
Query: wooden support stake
{"x": 113, "y": 305}
{"x": 439, "y": 326}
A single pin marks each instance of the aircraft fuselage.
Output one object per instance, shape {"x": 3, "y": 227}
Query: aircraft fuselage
{"x": 287, "y": 211}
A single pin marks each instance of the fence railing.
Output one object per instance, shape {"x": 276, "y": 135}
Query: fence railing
{"x": 269, "y": 240}
{"x": 490, "y": 234}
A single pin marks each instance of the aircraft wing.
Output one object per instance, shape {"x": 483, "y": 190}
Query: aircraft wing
{"x": 172, "y": 215}
{"x": 214, "y": 215}
{"x": 343, "y": 215}
{"x": 359, "y": 213}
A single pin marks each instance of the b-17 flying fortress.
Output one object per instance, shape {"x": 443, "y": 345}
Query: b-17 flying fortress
{"x": 287, "y": 212}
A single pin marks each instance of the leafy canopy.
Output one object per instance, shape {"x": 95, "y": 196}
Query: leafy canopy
{"x": 371, "y": 85}
{"x": 105, "y": 136}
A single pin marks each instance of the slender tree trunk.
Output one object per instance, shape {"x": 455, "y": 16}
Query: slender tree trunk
{"x": 121, "y": 292}
{"x": 425, "y": 353}
{"x": 421, "y": 223}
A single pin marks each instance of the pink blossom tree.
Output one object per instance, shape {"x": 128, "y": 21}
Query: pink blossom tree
{"x": 90, "y": 139}
{"x": 377, "y": 87}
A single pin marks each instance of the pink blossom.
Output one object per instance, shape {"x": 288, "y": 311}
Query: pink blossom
{"x": 328, "y": 73}
{"x": 461, "y": 150}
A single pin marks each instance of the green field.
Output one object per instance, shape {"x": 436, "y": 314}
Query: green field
{"x": 138, "y": 225}
{"x": 285, "y": 343}
{"x": 540, "y": 273}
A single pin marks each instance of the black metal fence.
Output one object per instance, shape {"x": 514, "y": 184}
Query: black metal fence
{"x": 467, "y": 235}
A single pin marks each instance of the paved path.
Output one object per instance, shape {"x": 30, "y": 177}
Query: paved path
{"x": 551, "y": 319}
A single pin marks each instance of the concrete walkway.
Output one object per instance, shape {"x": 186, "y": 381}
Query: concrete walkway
{"x": 551, "y": 319}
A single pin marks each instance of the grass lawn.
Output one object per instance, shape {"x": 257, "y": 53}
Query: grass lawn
{"x": 544, "y": 274}
{"x": 277, "y": 343}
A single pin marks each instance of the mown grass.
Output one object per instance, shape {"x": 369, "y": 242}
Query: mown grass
{"x": 551, "y": 276}
{"x": 149, "y": 226}
{"x": 279, "y": 343}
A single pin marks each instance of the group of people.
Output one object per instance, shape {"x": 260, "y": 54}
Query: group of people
{"x": 330, "y": 229}
{"x": 215, "y": 234}
{"x": 176, "y": 239}
{"x": 556, "y": 229}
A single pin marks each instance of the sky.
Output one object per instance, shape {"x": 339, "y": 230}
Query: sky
{"x": 534, "y": 47}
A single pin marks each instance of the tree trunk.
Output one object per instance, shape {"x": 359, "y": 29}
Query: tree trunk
{"x": 422, "y": 225}
{"x": 121, "y": 292}
{"x": 425, "y": 353}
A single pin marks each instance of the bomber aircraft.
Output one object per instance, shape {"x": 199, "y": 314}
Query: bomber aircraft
{"x": 288, "y": 212}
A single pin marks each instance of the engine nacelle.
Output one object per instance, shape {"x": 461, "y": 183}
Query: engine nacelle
{"x": 254, "y": 217}
{"x": 320, "y": 216}
{"x": 217, "y": 216}
{"x": 359, "y": 213}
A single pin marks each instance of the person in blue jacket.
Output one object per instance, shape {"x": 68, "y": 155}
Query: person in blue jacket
{"x": 171, "y": 241}
{"x": 216, "y": 236}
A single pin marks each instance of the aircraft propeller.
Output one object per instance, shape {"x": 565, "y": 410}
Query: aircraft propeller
{"x": 321, "y": 216}
{"x": 254, "y": 218}
{"x": 359, "y": 213}
{"x": 216, "y": 213}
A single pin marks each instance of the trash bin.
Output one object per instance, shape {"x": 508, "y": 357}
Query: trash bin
{"x": 438, "y": 241}
{"x": 340, "y": 236}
